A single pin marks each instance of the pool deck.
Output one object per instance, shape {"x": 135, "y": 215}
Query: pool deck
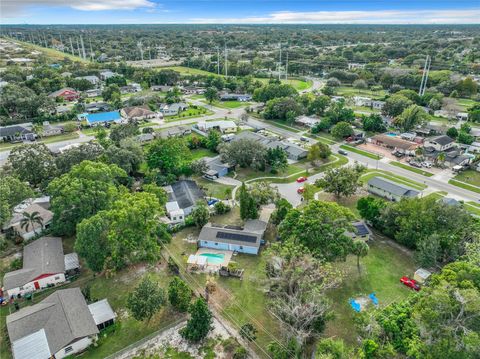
{"x": 226, "y": 259}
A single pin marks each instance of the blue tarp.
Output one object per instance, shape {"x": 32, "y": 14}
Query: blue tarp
{"x": 355, "y": 305}
{"x": 373, "y": 298}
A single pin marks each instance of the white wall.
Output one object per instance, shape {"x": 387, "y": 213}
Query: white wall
{"x": 43, "y": 282}
{"x": 77, "y": 347}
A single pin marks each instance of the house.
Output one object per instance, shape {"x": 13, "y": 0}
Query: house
{"x": 145, "y": 137}
{"x": 462, "y": 116}
{"x": 389, "y": 189}
{"x": 216, "y": 168}
{"x": 61, "y": 325}
{"x": 223, "y": 126}
{"x": 453, "y": 156}
{"x": 106, "y": 74}
{"x": 67, "y": 93}
{"x": 94, "y": 80}
{"x": 246, "y": 239}
{"x": 14, "y": 133}
{"x": 440, "y": 143}
{"x": 307, "y": 121}
{"x": 378, "y": 105}
{"x": 175, "y": 131}
{"x": 174, "y": 212}
{"x": 61, "y": 109}
{"x": 161, "y": 88}
{"x": 294, "y": 152}
{"x": 235, "y": 97}
{"x": 66, "y": 74}
{"x": 442, "y": 113}
{"x": 32, "y": 229}
{"x": 186, "y": 193}
{"x": 355, "y": 66}
{"x": 409, "y": 136}
{"x": 337, "y": 98}
{"x": 96, "y": 107}
{"x": 362, "y": 101}
{"x": 51, "y": 130}
{"x": 395, "y": 143}
{"x": 139, "y": 113}
{"x": 100, "y": 118}
{"x": 173, "y": 109}
{"x": 360, "y": 231}
{"x": 130, "y": 88}
{"x": 44, "y": 265}
{"x": 93, "y": 92}
{"x": 193, "y": 90}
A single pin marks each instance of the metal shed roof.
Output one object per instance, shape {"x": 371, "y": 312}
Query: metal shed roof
{"x": 33, "y": 346}
{"x": 101, "y": 311}
{"x": 71, "y": 261}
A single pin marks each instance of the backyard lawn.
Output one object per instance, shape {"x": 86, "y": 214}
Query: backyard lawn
{"x": 469, "y": 176}
{"x": 190, "y": 112}
{"x": 215, "y": 189}
{"x": 202, "y": 152}
{"x": 299, "y": 85}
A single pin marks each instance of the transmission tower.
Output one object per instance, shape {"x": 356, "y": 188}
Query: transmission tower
{"x": 426, "y": 70}
{"x": 226, "y": 61}
{"x": 83, "y": 48}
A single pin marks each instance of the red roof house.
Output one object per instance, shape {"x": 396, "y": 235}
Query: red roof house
{"x": 66, "y": 93}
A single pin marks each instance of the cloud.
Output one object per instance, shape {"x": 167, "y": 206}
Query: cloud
{"x": 15, "y": 8}
{"x": 466, "y": 16}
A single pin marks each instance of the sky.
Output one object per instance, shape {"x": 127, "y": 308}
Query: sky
{"x": 240, "y": 12}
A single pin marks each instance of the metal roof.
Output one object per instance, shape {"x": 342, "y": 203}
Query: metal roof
{"x": 101, "y": 311}
{"x": 33, "y": 346}
{"x": 71, "y": 261}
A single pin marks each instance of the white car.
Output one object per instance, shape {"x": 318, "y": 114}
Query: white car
{"x": 427, "y": 164}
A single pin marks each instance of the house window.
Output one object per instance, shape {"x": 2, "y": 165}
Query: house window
{"x": 68, "y": 349}
{"x": 57, "y": 277}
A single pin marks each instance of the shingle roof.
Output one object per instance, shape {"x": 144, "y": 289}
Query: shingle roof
{"x": 186, "y": 193}
{"x": 137, "y": 111}
{"x": 392, "y": 187}
{"x": 288, "y": 147}
{"x": 44, "y": 213}
{"x": 442, "y": 140}
{"x": 45, "y": 255}
{"x": 13, "y": 130}
{"x": 64, "y": 316}
{"x": 250, "y": 234}
{"x": 395, "y": 142}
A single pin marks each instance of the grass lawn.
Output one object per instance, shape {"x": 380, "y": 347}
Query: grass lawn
{"x": 464, "y": 186}
{"x": 350, "y": 92}
{"x": 360, "y": 152}
{"x": 299, "y": 85}
{"x": 437, "y": 195}
{"x": 363, "y": 109}
{"x": 215, "y": 189}
{"x": 51, "y": 53}
{"x": 469, "y": 176}
{"x": 349, "y": 202}
{"x": 412, "y": 169}
{"x": 188, "y": 113}
{"x": 473, "y": 208}
{"x": 285, "y": 127}
{"x": 187, "y": 70}
{"x": 392, "y": 177}
{"x": 380, "y": 272}
{"x": 46, "y": 140}
{"x": 202, "y": 152}
{"x": 229, "y": 104}
{"x": 465, "y": 103}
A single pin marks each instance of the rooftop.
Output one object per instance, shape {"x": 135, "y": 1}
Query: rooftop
{"x": 250, "y": 234}
{"x": 186, "y": 193}
{"x": 392, "y": 187}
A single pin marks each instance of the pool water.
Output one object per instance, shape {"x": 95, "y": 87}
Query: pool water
{"x": 391, "y": 134}
{"x": 214, "y": 258}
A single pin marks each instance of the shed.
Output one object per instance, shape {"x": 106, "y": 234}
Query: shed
{"x": 72, "y": 264}
{"x": 102, "y": 313}
{"x": 421, "y": 275}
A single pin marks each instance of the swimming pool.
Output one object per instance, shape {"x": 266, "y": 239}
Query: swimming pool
{"x": 391, "y": 134}
{"x": 214, "y": 258}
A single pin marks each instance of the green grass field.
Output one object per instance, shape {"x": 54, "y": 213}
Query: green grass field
{"x": 299, "y": 85}
{"x": 464, "y": 186}
{"x": 465, "y": 103}
{"x": 412, "y": 169}
{"x": 4, "y": 146}
{"x": 285, "y": 127}
{"x": 360, "y": 152}
{"x": 392, "y": 177}
{"x": 469, "y": 176}
{"x": 229, "y": 104}
{"x": 348, "y": 91}
{"x": 202, "y": 152}
{"x": 51, "y": 53}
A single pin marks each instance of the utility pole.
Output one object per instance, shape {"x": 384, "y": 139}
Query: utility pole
{"x": 78, "y": 48}
{"x": 91, "y": 50}
{"x": 71, "y": 46}
{"x": 280, "y": 62}
{"x": 218, "y": 60}
{"x": 226, "y": 61}
{"x": 426, "y": 70}
{"x": 286, "y": 68}
{"x": 83, "y": 48}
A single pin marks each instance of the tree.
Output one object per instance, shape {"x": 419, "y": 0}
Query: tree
{"x": 179, "y": 294}
{"x": 337, "y": 112}
{"x": 319, "y": 105}
{"x": 248, "y": 207}
{"x": 318, "y": 151}
{"x": 332, "y": 348}
{"x": 221, "y": 208}
{"x": 373, "y": 122}
{"x": 452, "y": 132}
{"x": 211, "y": 95}
{"x": 33, "y": 163}
{"x": 320, "y": 227}
{"x": 127, "y": 232}
{"x": 30, "y": 220}
{"x": 128, "y": 156}
{"x": 342, "y": 130}
{"x": 248, "y": 332}
{"x": 12, "y": 192}
{"x": 360, "y": 84}
{"x": 283, "y": 108}
{"x": 200, "y": 214}
{"x": 277, "y": 159}
{"x": 263, "y": 193}
{"x": 343, "y": 181}
{"x": 199, "y": 167}
{"x": 309, "y": 191}
{"x": 87, "y": 188}
{"x": 359, "y": 249}
{"x": 244, "y": 153}
{"x": 110, "y": 92}
{"x": 169, "y": 155}
{"x": 333, "y": 82}
{"x": 120, "y": 132}
{"x": 282, "y": 206}
{"x": 465, "y": 138}
{"x": 411, "y": 117}
{"x": 146, "y": 299}
{"x": 213, "y": 140}
{"x": 395, "y": 105}
{"x": 370, "y": 209}
{"x": 200, "y": 322}
{"x": 174, "y": 95}
{"x": 159, "y": 192}
{"x": 86, "y": 151}
{"x": 273, "y": 90}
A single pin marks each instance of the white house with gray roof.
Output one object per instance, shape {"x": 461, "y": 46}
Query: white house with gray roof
{"x": 388, "y": 189}
{"x": 242, "y": 239}
{"x": 44, "y": 265}
{"x": 61, "y": 325}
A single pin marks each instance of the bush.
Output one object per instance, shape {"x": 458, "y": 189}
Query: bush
{"x": 221, "y": 208}
{"x": 240, "y": 353}
{"x": 16, "y": 264}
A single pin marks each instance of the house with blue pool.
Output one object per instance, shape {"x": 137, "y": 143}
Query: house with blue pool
{"x": 100, "y": 118}
{"x": 242, "y": 239}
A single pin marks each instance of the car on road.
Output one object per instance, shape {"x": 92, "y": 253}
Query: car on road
{"x": 304, "y": 139}
{"x": 411, "y": 283}
{"x": 301, "y": 179}
{"x": 343, "y": 152}
{"x": 300, "y": 190}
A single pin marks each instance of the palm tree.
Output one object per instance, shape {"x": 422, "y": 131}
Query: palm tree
{"x": 29, "y": 219}
{"x": 441, "y": 157}
{"x": 360, "y": 249}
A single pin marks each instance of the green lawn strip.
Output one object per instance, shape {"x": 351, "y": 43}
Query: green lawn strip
{"x": 228, "y": 104}
{"x": 188, "y": 114}
{"x": 464, "y": 186}
{"x": 469, "y": 176}
{"x": 202, "y": 152}
{"x": 380, "y": 272}
{"x": 465, "y": 103}
{"x": 412, "y": 169}
{"x": 472, "y": 207}
{"x": 285, "y": 127}
{"x": 350, "y": 92}
{"x": 299, "y": 85}
{"x": 436, "y": 195}
{"x": 360, "y": 152}
{"x": 392, "y": 177}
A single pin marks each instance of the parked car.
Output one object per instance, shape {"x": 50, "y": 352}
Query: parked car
{"x": 301, "y": 179}
{"x": 415, "y": 164}
{"x": 300, "y": 190}
{"x": 304, "y": 139}
{"x": 427, "y": 164}
{"x": 411, "y": 283}
{"x": 343, "y": 152}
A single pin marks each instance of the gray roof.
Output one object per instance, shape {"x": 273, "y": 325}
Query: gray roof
{"x": 290, "y": 148}
{"x": 71, "y": 261}
{"x": 442, "y": 140}
{"x": 101, "y": 311}
{"x": 64, "y": 316}
{"x": 392, "y": 187}
{"x": 7, "y": 131}
{"x": 250, "y": 234}
{"x": 186, "y": 193}
{"x": 33, "y": 346}
{"x": 45, "y": 255}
